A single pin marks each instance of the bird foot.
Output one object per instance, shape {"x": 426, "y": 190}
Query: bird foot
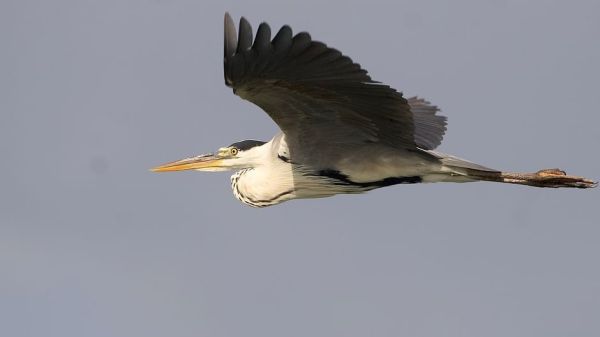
{"x": 549, "y": 178}
{"x": 559, "y": 178}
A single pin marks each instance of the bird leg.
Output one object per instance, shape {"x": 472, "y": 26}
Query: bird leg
{"x": 547, "y": 178}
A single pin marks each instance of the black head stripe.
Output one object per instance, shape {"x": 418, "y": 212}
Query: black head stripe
{"x": 247, "y": 144}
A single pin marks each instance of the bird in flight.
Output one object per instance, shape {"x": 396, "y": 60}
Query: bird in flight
{"x": 341, "y": 131}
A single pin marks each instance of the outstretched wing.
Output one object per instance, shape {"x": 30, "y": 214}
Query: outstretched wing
{"x": 316, "y": 95}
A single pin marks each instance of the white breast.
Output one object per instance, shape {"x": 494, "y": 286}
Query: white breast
{"x": 264, "y": 185}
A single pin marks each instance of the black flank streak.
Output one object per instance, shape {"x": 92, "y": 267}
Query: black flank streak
{"x": 343, "y": 179}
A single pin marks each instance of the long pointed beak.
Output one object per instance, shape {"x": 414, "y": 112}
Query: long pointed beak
{"x": 207, "y": 162}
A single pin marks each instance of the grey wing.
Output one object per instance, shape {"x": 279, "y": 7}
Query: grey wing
{"x": 318, "y": 96}
{"x": 429, "y": 127}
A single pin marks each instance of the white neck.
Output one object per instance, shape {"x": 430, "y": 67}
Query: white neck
{"x": 264, "y": 178}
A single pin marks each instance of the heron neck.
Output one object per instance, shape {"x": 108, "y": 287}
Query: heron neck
{"x": 264, "y": 185}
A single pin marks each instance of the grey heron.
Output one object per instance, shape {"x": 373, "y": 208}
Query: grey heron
{"x": 341, "y": 131}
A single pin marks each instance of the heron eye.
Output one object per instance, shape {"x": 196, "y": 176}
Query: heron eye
{"x": 234, "y": 151}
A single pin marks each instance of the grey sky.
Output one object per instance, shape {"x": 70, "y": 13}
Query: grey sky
{"x": 93, "y": 93}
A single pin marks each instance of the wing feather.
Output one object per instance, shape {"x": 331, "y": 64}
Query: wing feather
{"x": 244, "y": 37}
{"x": 317, "y": 95}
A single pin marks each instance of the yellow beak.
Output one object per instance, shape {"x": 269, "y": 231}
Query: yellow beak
{"x": 206, "y": 162}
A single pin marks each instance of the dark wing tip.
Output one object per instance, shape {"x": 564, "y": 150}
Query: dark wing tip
{"x": 244, "y": 36}
{"x": 283, "y": 38}
{"x": 263, "y": 37}
{"x": 285, "y": 57}
{"x": 230, "y": 36}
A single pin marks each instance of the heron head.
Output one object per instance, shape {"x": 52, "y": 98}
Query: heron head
{"x": 236, "y": 156}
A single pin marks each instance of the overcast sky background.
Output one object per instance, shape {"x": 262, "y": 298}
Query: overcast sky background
{"x": 94, "y": 93}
